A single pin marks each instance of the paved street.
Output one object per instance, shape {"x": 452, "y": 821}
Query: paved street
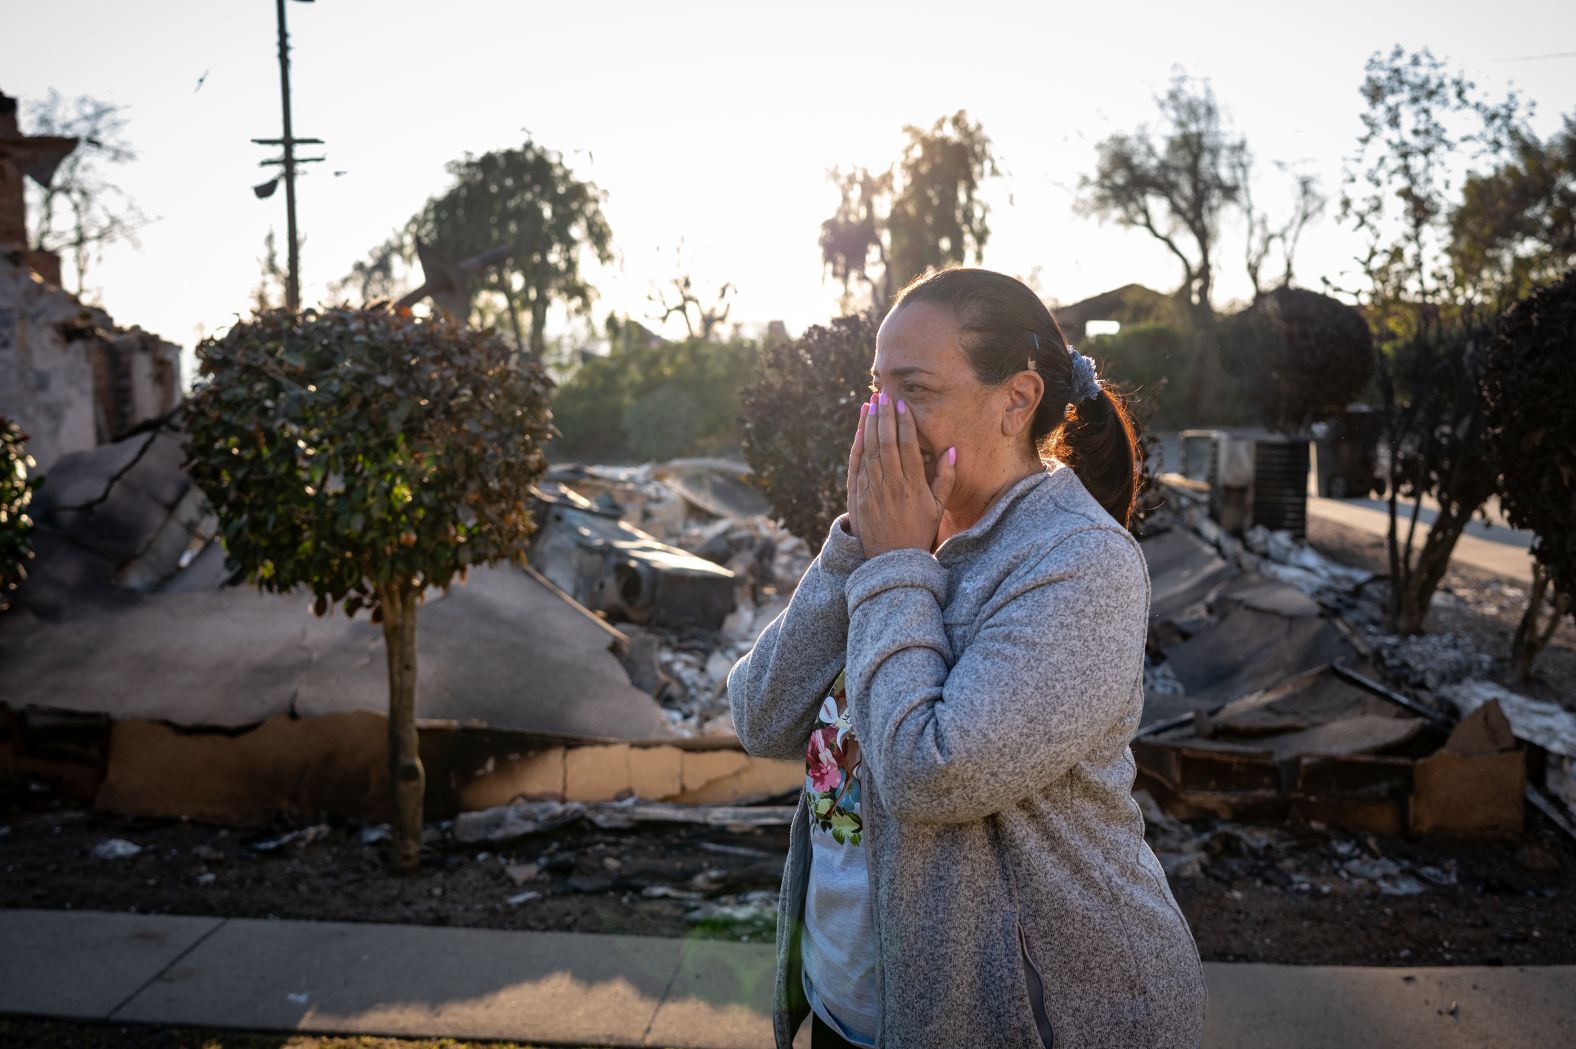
{"x": 1492, "y": 547}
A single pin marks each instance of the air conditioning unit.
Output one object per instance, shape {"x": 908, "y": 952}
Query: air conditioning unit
{"x": 1253, "y": 478}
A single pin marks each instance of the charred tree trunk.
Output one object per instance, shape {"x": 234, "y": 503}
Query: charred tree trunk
{"x": 1531, "y": 636}
{"x": 407, "y": 779}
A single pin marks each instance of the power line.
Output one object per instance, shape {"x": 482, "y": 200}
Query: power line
{"x": 1538, "y": 58}
{"x": 288, "y": 161}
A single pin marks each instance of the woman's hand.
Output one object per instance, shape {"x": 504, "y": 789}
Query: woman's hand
{"x": 854, "y": 452}
{"x": 894, "y": 506}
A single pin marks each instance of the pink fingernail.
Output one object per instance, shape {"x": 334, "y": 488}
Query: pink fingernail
{"x": 901, "y": 408}
{"x": 884, "y": 401}
{"x": 952, "y": 455}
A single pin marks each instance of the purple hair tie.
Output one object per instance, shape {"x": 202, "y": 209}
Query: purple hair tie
{"x": 1085, "y": 384}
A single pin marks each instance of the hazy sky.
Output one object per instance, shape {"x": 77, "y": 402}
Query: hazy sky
{"x": 709, "y": 123}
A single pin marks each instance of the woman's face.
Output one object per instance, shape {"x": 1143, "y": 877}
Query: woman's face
{"x": 920, "y": 360}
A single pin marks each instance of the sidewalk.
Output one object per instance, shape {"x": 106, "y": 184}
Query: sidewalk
{"x": 579, "y": 989}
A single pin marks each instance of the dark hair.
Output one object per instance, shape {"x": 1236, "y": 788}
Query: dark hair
{"x": 1001, "y": 320}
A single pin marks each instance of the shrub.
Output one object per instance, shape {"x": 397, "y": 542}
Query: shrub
{"x": 16, "y": 491}
{"x": 1530, "y": 384}
{"x": 664, "y": 422}
{"x": 799, "y": 419}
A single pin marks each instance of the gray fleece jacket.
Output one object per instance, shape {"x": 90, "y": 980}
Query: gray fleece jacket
{"x": 994, "y": 687}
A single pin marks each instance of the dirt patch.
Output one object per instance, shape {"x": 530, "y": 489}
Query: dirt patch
{"x": 1265, "y": 894}
{"x": 662, "y": 881}
{"x": 1318, "y": 897}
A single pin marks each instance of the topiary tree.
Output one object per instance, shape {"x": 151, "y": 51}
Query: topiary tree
{"x": 16, "y": 491}
{"x": 1301, "y": 355}
{"x": 367, "y": 455}
{"x": 1530, "y": 386}
{"x": 799, "y": 419}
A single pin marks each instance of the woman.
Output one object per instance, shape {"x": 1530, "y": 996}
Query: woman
{"x": 962, "y": 667}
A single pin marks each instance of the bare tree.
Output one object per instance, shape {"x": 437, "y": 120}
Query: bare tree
{"x": 1264, "y": 239}
{"x": 1173, "y": 182}
{"x": 700, "y": 319}
{"x": 81, "y": 211}
{"x": 269, "y": 293}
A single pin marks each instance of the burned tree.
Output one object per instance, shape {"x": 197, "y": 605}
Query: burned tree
{"x": 364, "y": 457}
{"x": 80, "y": 211}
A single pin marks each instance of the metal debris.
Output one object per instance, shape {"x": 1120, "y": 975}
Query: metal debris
{"x": 115, "y": 849}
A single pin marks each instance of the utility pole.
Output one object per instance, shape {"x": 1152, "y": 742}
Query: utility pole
{"x": 288, "y": 161}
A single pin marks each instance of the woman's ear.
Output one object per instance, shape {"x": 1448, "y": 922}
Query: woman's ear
{"x": 1024, "y": 391}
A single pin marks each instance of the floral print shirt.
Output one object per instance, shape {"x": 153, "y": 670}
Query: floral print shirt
{"x": 831, "y": 761}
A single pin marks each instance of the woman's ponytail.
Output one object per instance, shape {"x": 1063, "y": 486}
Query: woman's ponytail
{"x": 1097, "y": 439}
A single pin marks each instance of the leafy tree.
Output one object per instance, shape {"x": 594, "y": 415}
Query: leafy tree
{"x": 525, "y": 199}
{"x": 81, "y": 212}
{"x": 854, "y": 239}
{"x": 1431, "y": 399}
{"x": 1300, "y": 356}
{"x": 367, "y": 455}
{"x": 16, "y": 491}
{"x": 799, "y": 419}
{"x": 1422, "y": 124}
{"x": 1530, "y": 385}
{"x": 924, "y": 212}
{"x": 1515, "y": 226}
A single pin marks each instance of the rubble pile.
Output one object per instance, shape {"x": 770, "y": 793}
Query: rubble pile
{"x": 263, "y": 708}
{"x": 619, "y": 539}
{"x": 1273, "y": 692}
{"x": 1309, "y": 859}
